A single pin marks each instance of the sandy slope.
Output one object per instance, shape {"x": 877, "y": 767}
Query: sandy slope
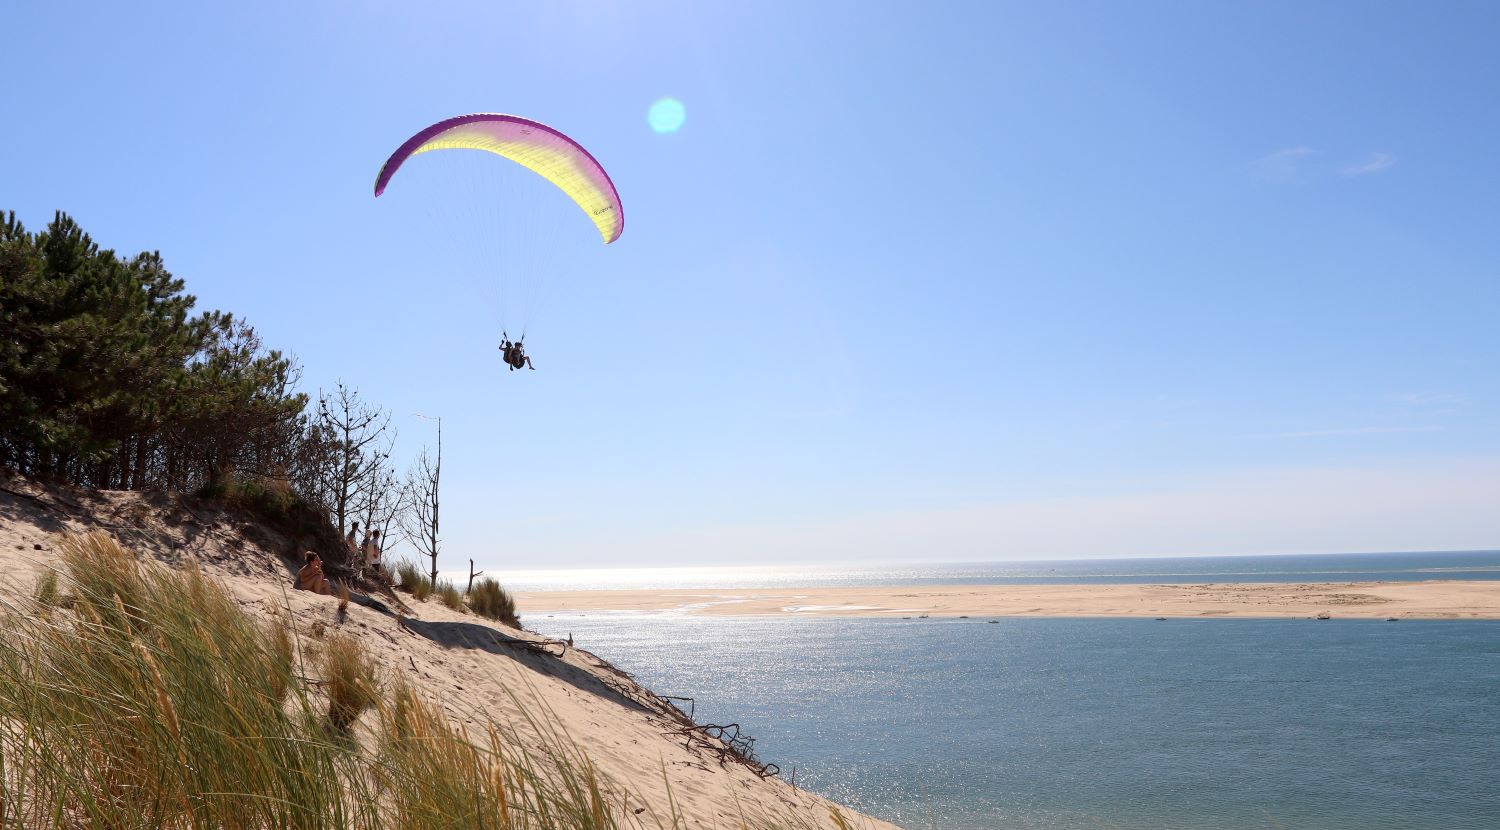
{"x": 1448, "y": 599}
{"x": 468, "y": 664}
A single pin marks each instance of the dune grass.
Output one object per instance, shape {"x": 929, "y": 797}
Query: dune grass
{"x": 156, "y": 703}
{"x": 349, "y": 680}
{"x": 46, "y": 593}
{"x": 450, "y": 595}
{"x": 153, "y": 700}
{"x": 410, "y": 579}
{"x": 407, "y": 576}
{"x": 488, "y": 599}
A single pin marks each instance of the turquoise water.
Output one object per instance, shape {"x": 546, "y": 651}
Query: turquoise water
{"x": 1030, "y": 723}
{"x": 1337, "y": 567}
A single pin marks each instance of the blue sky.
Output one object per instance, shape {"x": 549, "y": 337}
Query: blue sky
{"x": 912, "y": 282}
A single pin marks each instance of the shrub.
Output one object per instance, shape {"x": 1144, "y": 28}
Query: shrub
{"x": 488, "y": 599}
{"x": 270, "y": 498}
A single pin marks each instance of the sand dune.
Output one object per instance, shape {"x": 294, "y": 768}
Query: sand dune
{"x": 474, "y": 668}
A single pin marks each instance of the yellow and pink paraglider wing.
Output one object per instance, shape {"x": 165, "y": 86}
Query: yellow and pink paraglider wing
{"x": 531, "y": 144}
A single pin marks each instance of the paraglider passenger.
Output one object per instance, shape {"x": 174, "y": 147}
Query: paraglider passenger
{"x": 520, "y": 358}
{"x": 515, "y": 355}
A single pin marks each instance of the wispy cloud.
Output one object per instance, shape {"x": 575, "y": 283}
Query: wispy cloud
{"x": 1328, "y": 433}
{"x": 1291, "y": 163}
{"x": 1283, "y": 164}
{"x": 1376, "y": 163}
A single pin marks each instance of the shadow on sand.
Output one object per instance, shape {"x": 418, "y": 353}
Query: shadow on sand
{"x": 529, "y": 653}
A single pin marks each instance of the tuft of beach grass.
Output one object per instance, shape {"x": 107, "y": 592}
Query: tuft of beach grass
{"x": 488, "y": 599}
{"x": 349, "y": 680}
{"x": 46, "y": 593}
{"x": 450, "y": 596}
{"x": 410, "y": 579}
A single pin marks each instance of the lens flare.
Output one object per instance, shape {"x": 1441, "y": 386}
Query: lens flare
{"x": 666, "y": 115}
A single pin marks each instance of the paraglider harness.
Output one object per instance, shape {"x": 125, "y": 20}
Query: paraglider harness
{"x": 514, "y": 353}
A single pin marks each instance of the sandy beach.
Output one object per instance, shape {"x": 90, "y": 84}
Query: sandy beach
{"x": 1403, "y": 600}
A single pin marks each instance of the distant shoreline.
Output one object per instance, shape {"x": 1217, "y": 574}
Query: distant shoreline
{"x": 1432, "y": 599}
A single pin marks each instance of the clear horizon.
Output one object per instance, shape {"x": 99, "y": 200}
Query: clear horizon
{"x": 537, "y": 573}
{"x": 964, "y": 283}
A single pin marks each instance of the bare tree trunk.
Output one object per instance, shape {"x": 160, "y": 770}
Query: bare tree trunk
{"x": 420, "y": 519}
{"x": 432, "y": 500}
{"x": 437, "y": 472}
{"x": 362, "y": 437}
{"x": 472, "y": 574}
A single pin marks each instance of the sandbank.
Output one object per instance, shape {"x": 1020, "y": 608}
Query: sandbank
{"x": 1445, "y": 599}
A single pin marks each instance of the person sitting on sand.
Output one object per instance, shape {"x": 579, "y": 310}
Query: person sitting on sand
{"x": 515, "y": 355}
{"x": 311, "y": 577}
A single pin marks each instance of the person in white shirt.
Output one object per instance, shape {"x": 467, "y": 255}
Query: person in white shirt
{"x": 372, "y": 551}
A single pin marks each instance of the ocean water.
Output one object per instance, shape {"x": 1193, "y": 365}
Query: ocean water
{"x": 1127, "y": 724}
{"x": 1337, "y": 567}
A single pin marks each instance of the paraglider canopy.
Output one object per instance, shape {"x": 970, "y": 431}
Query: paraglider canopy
{"x": 531, "y": 144}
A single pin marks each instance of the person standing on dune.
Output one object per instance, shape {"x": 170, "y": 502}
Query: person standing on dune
{"x": 372, "y": 552}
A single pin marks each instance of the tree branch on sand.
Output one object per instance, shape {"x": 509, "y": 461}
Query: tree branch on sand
{"x": 729, "y": 744}
{"x": 472, "y": 573}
